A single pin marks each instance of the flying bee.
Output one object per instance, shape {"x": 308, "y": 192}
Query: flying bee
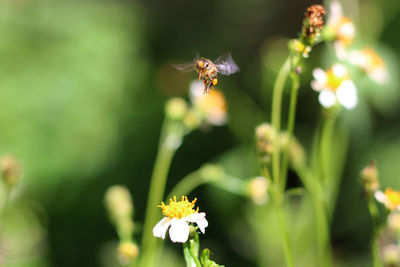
{"x": 208, "y": 70}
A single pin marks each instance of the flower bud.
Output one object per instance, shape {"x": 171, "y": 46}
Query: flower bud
{"x": 369, "y": 178}
{"x": 265, "y": 138}
{"x": 391, "y": 255}
{"x": 11, "y": 171}
{"x": 127, "y": 252}
{"x": 119, "y": 203}
{"x": 257, "y": 189}
{"x": 176, "y": 108}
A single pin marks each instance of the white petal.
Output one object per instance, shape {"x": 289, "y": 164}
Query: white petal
{"x": 335, "y": 12}
{"x": 179, "y": 231}
{"x": 317, "y": 86}
{"x": 202, "y": 224}
{"x": 161, "y": 227}
{"x": 347, "y": 94}
{"x": 381, "y": 197}
{"x": 196, "y": 89}
{"x": 379, "y": 75}
{"x": 340, "y": 50}
{"x": 319, "y": 75}
{"x": 327, "y": 98}
{"x": 195, "y": 217}
{"x": 199, "y": 219}
{"x": 339, "y": 70}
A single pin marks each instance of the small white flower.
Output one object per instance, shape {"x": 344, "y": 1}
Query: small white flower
{"x": 390, "y": 198}
{"x": 211, "y": 107}
{"x": 342, "y": 28}
{"x": 334, "y": 86}
{"x": 368, "y": 60}
{"x": 178, "y": 216}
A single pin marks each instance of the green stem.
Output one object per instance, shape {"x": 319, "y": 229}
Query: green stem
{"x": 186, "y": 185}
{"x": 287, "y": 250}
{"x": 290, "y": 127}
{"x": 191, "y": 251}
{"x": 5, "y": 204}
{"x": 326, "y": 144}
{"x": 170, "y": 139}
{"x": 276, "y": 115}
{"x": 373, "y": 210}
{"x": 315, "y": 189}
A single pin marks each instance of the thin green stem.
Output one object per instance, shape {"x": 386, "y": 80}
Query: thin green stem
{"x": 186, "y": 185}
{"x": 287, "y": 249}
{"x": 315, "y": 189}
{"x": 189, "y": 249}
{"x": 5, "y": 204}
{"x": 276, "y": 115}
{"x": 290, "y": 127}
{"x": 373, "y": 210}
{"x": 170, "y": 139}
{"x": 326, "y": 144}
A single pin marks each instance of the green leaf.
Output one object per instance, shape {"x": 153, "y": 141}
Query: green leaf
{"x": 205, "y": 259}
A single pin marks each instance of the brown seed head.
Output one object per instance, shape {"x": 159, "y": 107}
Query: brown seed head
{"x": 315, "y": 15}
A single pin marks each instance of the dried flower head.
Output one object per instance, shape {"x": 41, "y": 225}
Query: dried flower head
{"x": 312, "y": 24}
{"x": 11, "y": 171}
{"x": 315, "y": 15}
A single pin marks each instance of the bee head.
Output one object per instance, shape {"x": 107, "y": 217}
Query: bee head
{"x": 202, "y": 64}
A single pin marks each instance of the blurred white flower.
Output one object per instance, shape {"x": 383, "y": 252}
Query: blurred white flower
{"x": 390, "y": 198}
{"x": 341, "y": 28}
{"x": 211, "y": 107}
{"x": 178, "y": 215}
{"x": 334, "y": 86}
{"x": 368, "y": 60}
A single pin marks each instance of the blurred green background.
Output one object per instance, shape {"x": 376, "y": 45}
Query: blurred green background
{"x": 82, "y": 92}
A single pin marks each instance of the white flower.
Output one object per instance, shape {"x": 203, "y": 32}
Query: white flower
{"x": 335, "y": 85}
{"x": 368, "y": 60}
{"x": 178, "y": 216}
{"x": 211, "y": 107}
{"x": 390, "y": 198}
{"x": 342, "y": 29}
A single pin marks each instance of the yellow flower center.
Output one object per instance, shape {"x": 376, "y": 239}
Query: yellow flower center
{"x": 393, "y": 197}
{"x": 179, "y": 209}
{"x": 335, "y": 79}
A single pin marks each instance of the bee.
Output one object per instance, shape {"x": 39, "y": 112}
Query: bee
{"x": 208, "y": 70}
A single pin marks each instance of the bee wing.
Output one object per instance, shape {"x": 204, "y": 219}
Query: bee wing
{"x": 185, "y": 67}
{"x": 225, "y": 65}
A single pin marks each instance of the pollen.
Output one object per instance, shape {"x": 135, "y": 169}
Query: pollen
{"x": 393, "y": 197}
{"x": 215, "y": 81}
{"x": 179, "y": 209}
